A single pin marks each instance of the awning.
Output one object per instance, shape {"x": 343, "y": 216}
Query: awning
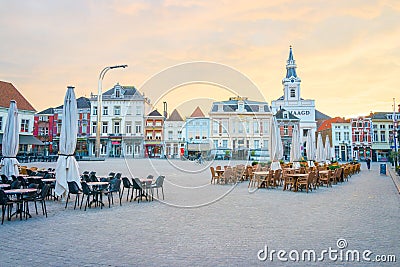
{"x": 26, "y": 140}
{"x": 198, "y": 147}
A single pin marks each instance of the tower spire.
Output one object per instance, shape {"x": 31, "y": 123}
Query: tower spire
{"x": 291, "y": 65}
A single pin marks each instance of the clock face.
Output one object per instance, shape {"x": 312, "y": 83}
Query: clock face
{"x": 292, "y": 81}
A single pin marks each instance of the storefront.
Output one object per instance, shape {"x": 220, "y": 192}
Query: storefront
{"x": 153, "y": 150}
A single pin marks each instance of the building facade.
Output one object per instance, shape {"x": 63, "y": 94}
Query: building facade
{"x": 174, "y": 135}
{"x": 26, "y": 114}
{"x": 383, "y": 134}
{"x": 154, "y": 137}
{"x": 361, "y": 131}
{"x": 240, "y": 125}
{"x": 197, "y": 133}
{"x": 45, "y": 129}
{"x": 122, "y": 126}
{"x": 291, "y": 100}
{"x": 286, "y": 122}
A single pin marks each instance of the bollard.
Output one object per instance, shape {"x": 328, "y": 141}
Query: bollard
{"x": 382, "y": 169}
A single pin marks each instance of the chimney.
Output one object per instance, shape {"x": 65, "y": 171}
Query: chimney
{"x": 165, "y": 110}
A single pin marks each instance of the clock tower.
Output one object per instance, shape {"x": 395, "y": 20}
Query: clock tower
{"x": 291, "y": 83}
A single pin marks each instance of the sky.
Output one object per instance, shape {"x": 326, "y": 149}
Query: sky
{"x": 347, "y": 51}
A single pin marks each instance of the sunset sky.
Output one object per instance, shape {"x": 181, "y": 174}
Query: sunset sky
{"x": 347, "y": 51}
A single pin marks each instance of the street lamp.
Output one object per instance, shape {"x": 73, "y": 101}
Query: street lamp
{"x": 99, "y": 105}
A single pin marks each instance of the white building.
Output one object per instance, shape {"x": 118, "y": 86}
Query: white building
{"x": 341, "y": 140}
{"x": 240, "y": 125}
{"x": 26, "y": 114}
{"x": 291, "y": 100}
{"x": 122, "y": 122}
{"x": 173, "y": 135}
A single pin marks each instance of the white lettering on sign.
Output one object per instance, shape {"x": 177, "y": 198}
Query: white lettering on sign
{"x": 300, "y": 112}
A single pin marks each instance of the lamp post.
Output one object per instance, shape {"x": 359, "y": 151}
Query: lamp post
{"x": 99, "y": 105}
{"x": 394, "y": 134}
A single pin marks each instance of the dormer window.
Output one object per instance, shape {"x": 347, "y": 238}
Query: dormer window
{"x": 118, "y": 92}
{"x": 292, "y": 93}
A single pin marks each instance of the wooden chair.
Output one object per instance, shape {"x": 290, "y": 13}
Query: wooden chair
{"x": 214, "y": 175}
{"x": 288, "y": 180}
{"x": 305, "y": 182}
{"x": 326, "y": 178}
{"x": 277, "y": 178}
{"x": 227, "y": 175}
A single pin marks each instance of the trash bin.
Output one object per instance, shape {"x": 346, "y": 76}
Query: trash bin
{"x": 383, "y": 169}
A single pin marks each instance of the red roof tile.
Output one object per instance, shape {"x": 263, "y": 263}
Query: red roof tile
{"x": 9, "y": 92}
{"x": 327, "y": 124}
{"x": 197, "y": 113}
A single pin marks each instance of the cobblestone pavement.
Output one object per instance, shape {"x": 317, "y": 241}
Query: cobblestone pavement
{"x": 208, "y": 225}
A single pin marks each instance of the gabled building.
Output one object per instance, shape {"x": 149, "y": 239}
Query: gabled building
{"x": 154, "y": 137}
{"x": 286, "y": 122}
{"x": 174, "y": 136}
{"x": 339, "y": 132}
{"x": 361, "y": 136}
{"x": 26, "y": 114}
{"x": 45, "y": 129}
{"x": 291, "y": 100}
{"x": 197, "y": 133}
{"x": 82, "y": 144}
{"x": 382, "y": 139}
{"x": 122, "y": 126}
{"x": 240, "y": 125}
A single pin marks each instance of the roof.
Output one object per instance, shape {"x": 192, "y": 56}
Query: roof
{"x": 382, "y": 115}
{"x": 279, "y": 115}
{"x": 321, "y": 116}
{"x": 175, "y": 116}
{"x": 83, "y": 102}
{"x": 197, "y": 113}
{"x": 327, "y": 124}
{"x": 155, "y": 113}
{"x": 126, "y": 90}
{"x": 47, "y": 111}
{"x": 232, "y": 105}
{"x": 9, "y": 92}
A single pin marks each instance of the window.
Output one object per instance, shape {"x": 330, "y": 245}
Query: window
{"x": 285, "y": 130}
{"x": 215, "y": 143}
{"x": 1, "y": 123}
{"x": 285, "y": 115}
{"x": 225, "y": 125}
{"x": 117, "y": 110}
{"x": 357, "y": 137}
{"x": 265, "y": 143}
{"x": 170, "y": 133}
{"x": 94, "y": 110}
{"x": 117, "y": 127}
{"x": 138, "y": 127}
{"x": 24, "y": 126}
{"x": 256, "y": 144}
{"x": 337, "y": 136}
{"x": 305, "y": 132}
{"x": 265, "y": 129}
{"x": 382, "y": 126}
{"x": 149, "y": 135}
{"x": 376, "y": 136}
{"x": 129, "y": 149}
{"x": 346, "y": 127}
{"x": 105, "y": 111}
{"x": 158, "y": 135}
{"x": 225, "y": 143}
{"x": 138, "y": 110}
{"x": 346, "y": 136}
{"x": 84, "y": 128}
{"x": 215, "y": 127}
{"x": 118, "y": 92}
{"x": 255, "y": 127}
{"x": 94, "y": 127}
{"x": 105, "y": 127}
{"x": 292, "y": 93}
{"x": 128, "y": 127}
{"x": 383, "y": 136}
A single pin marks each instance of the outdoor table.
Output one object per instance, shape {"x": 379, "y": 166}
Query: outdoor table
{"x": 49, "y": 180}
{"x": 144, "y": 184}
{"x": 324, "y": 172}
{"x": 19, "y": 193}
{"x": 96, "y": 200}
{"x": 219, "y": 172}
{"x": 34, "y": 177}
{"x": 296, "y": 176}
{"x": 261, "y": 173}
{"x": 4, "y": 185}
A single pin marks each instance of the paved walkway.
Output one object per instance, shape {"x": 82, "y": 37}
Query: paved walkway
{"x": 204, "y": 225}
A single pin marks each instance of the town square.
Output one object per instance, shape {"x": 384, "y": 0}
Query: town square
{"x": 185, "y": 133}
